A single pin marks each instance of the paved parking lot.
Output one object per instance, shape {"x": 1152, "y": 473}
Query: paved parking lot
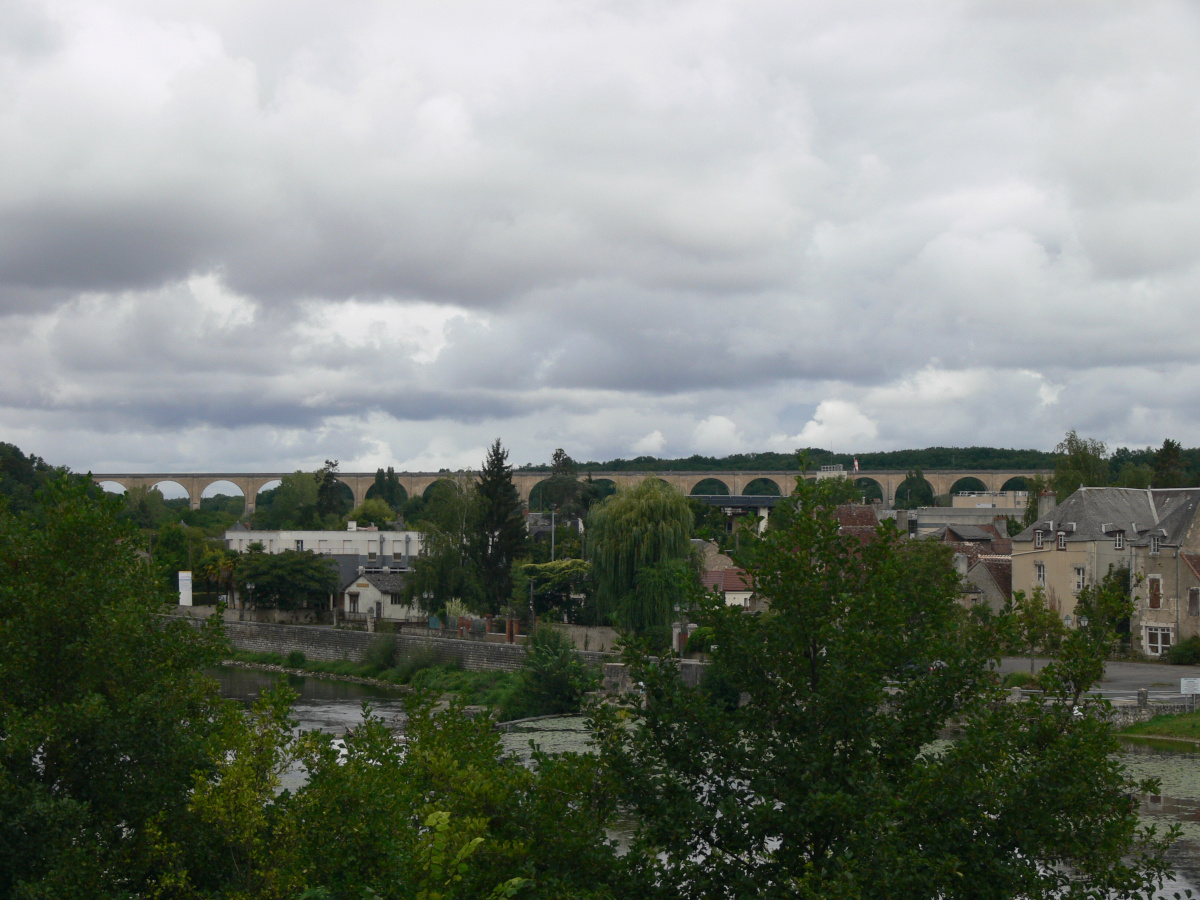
{"x": 1120, "y": 675}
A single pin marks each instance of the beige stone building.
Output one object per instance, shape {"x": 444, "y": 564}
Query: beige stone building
{"x": 1152, "y": 532}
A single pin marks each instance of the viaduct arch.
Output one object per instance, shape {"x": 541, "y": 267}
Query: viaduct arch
{"x": 415, "y": 483}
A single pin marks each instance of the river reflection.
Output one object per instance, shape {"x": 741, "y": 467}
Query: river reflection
{"x": 336, "y": 706}
{"x": 1177, "y": 766}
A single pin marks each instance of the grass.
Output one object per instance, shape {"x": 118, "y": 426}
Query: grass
{"x": 1186, "y": 727}
{"x": 418, "y": 670}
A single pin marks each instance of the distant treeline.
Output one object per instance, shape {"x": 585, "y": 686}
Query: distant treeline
{"x": 931, "y": 458}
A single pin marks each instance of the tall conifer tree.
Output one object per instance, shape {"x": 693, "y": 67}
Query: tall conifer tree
{"x": 499, "y": 535}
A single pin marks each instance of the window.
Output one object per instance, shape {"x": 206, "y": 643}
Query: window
{"x": 1155, "y": 545}
{"x": 1040, "y": 574}
{"x": 1155, "y": 586}
{"x": 1158, "y": 641}
{"x": 299, "y": 545}
{"x": 1039, "y": 540}
{"x": 1078, "y": 579}
{"x": 1119, "y": 541}
{"x": 394, "y": 599}
{"x": 1062, "y": 540}
{"x": 353, "y": 601}
{"x": 1194, "y": 602}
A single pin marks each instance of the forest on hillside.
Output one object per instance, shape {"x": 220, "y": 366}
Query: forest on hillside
{"x": 930, "y": 458}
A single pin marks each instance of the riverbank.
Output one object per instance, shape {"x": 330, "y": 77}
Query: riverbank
{"x": 476, "y": 688}
{"x": 1184, "y": 728}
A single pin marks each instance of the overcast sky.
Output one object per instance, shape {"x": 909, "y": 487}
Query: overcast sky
{"x": 251, "y": 236}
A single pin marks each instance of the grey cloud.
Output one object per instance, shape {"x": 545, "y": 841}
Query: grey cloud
{"x": 641, "y": 221}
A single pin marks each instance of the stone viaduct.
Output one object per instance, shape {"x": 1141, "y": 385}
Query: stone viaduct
{"x": 735, "y": 483}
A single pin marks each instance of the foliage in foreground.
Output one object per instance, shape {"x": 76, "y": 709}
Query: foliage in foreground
{"x": 822, "y": 783}
{"x": 103, "y": 716}
{"x": 443, "y": 814}
{"x": 123, "y": 773}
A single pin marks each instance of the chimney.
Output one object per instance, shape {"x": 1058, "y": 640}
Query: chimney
{"x": 1046, "y": 503}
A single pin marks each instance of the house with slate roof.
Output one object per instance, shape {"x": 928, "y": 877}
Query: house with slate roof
{"x": 1153, "y": 532}
{"x": 379, "y": 595}
{"x": 983, "y": 558}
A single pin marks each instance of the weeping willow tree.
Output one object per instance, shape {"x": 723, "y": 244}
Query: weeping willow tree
{"x": 638, "y": 546}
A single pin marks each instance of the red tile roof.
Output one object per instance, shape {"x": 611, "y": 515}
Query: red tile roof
{"x": 855, "y": 515}
{"x": 726, "y": 580}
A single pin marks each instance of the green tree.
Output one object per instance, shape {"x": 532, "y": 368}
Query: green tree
{"x": 1082, "y": 462}
{"x": 1168, "y": 465}
{"x": 444, "y": 571}
{"x": 639, "y": 544}
{"x": 293, "y": 579}
{"x": 291, "y": 505}
{"x": 387, "y": 488}
{"x": 562, "y": 490}
{"x": 556, "y": 583}
{"x": 1132, "y": 475}
{"x": 1031, "y": 625}
{"x": 144, "y": 507}
{"x": 498, "y": 536}
{"x": 330, "y": 491}
{"x": 914, "y": 491}
{"x": 104, "y": 714}
{"x": 552, "y": 679}
{"x": 1100, "y": 610}
{"x": 824, "y": 780}
{"x": 373, "y": 511}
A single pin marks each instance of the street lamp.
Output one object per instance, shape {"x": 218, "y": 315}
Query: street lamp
{"x": 553, "y": 507}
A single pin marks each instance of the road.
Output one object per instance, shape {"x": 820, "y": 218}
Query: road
{"x": 1120, "y": 675}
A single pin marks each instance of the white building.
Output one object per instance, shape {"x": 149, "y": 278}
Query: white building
{"x": 368, "y": 543}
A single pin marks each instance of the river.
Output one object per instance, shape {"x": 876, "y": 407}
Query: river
{"x": 335, "y": 706}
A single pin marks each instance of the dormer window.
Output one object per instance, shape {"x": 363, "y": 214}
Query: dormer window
{"x": 1039, "y": 539}
{"x": 1119, "y": 540}
{"x": 1062, "y": 540}
{"x": 1155, "y": 544}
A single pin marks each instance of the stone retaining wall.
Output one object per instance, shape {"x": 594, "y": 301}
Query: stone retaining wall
{"x": 332, "y": 644}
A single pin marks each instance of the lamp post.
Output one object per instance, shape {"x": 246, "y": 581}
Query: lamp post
{"x": 553, "y": 507}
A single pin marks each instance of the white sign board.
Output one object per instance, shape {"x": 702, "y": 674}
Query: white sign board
{"x": 1189, "y": 685}
{"x": 185, "y": 591}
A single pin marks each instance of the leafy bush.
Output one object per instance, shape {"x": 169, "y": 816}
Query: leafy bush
{"x": 553, "y": 679}
{"x": 381, "y": 652}
{"x": 296, "y": 659}
{"x": 1021, "y": 680}
{"x": 699, "y": 640}
{"x": 720, "y": 689}
{"x": 1185, "y": 653}
{"x": 413, "y": 662}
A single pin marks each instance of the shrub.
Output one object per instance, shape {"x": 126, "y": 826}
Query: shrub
{"x": 1020, "y": 679}
{"x": 296, "y": 659}
{"x": 381, "y": 652}
{"x": 1185, "y": 653}
{"x": 699, "y": 640}
{"x": 720, "y": 689}
{"x": 413, "y": 662}
{"x": 552, "y": 678}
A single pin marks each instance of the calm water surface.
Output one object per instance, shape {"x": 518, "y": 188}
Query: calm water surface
{"x": 335, "y": 706}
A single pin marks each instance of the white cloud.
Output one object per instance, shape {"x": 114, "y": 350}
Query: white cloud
{"x": 838, "y": 425}
{"x": 717, "y": 436}
{"x": 649, "y": 445}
